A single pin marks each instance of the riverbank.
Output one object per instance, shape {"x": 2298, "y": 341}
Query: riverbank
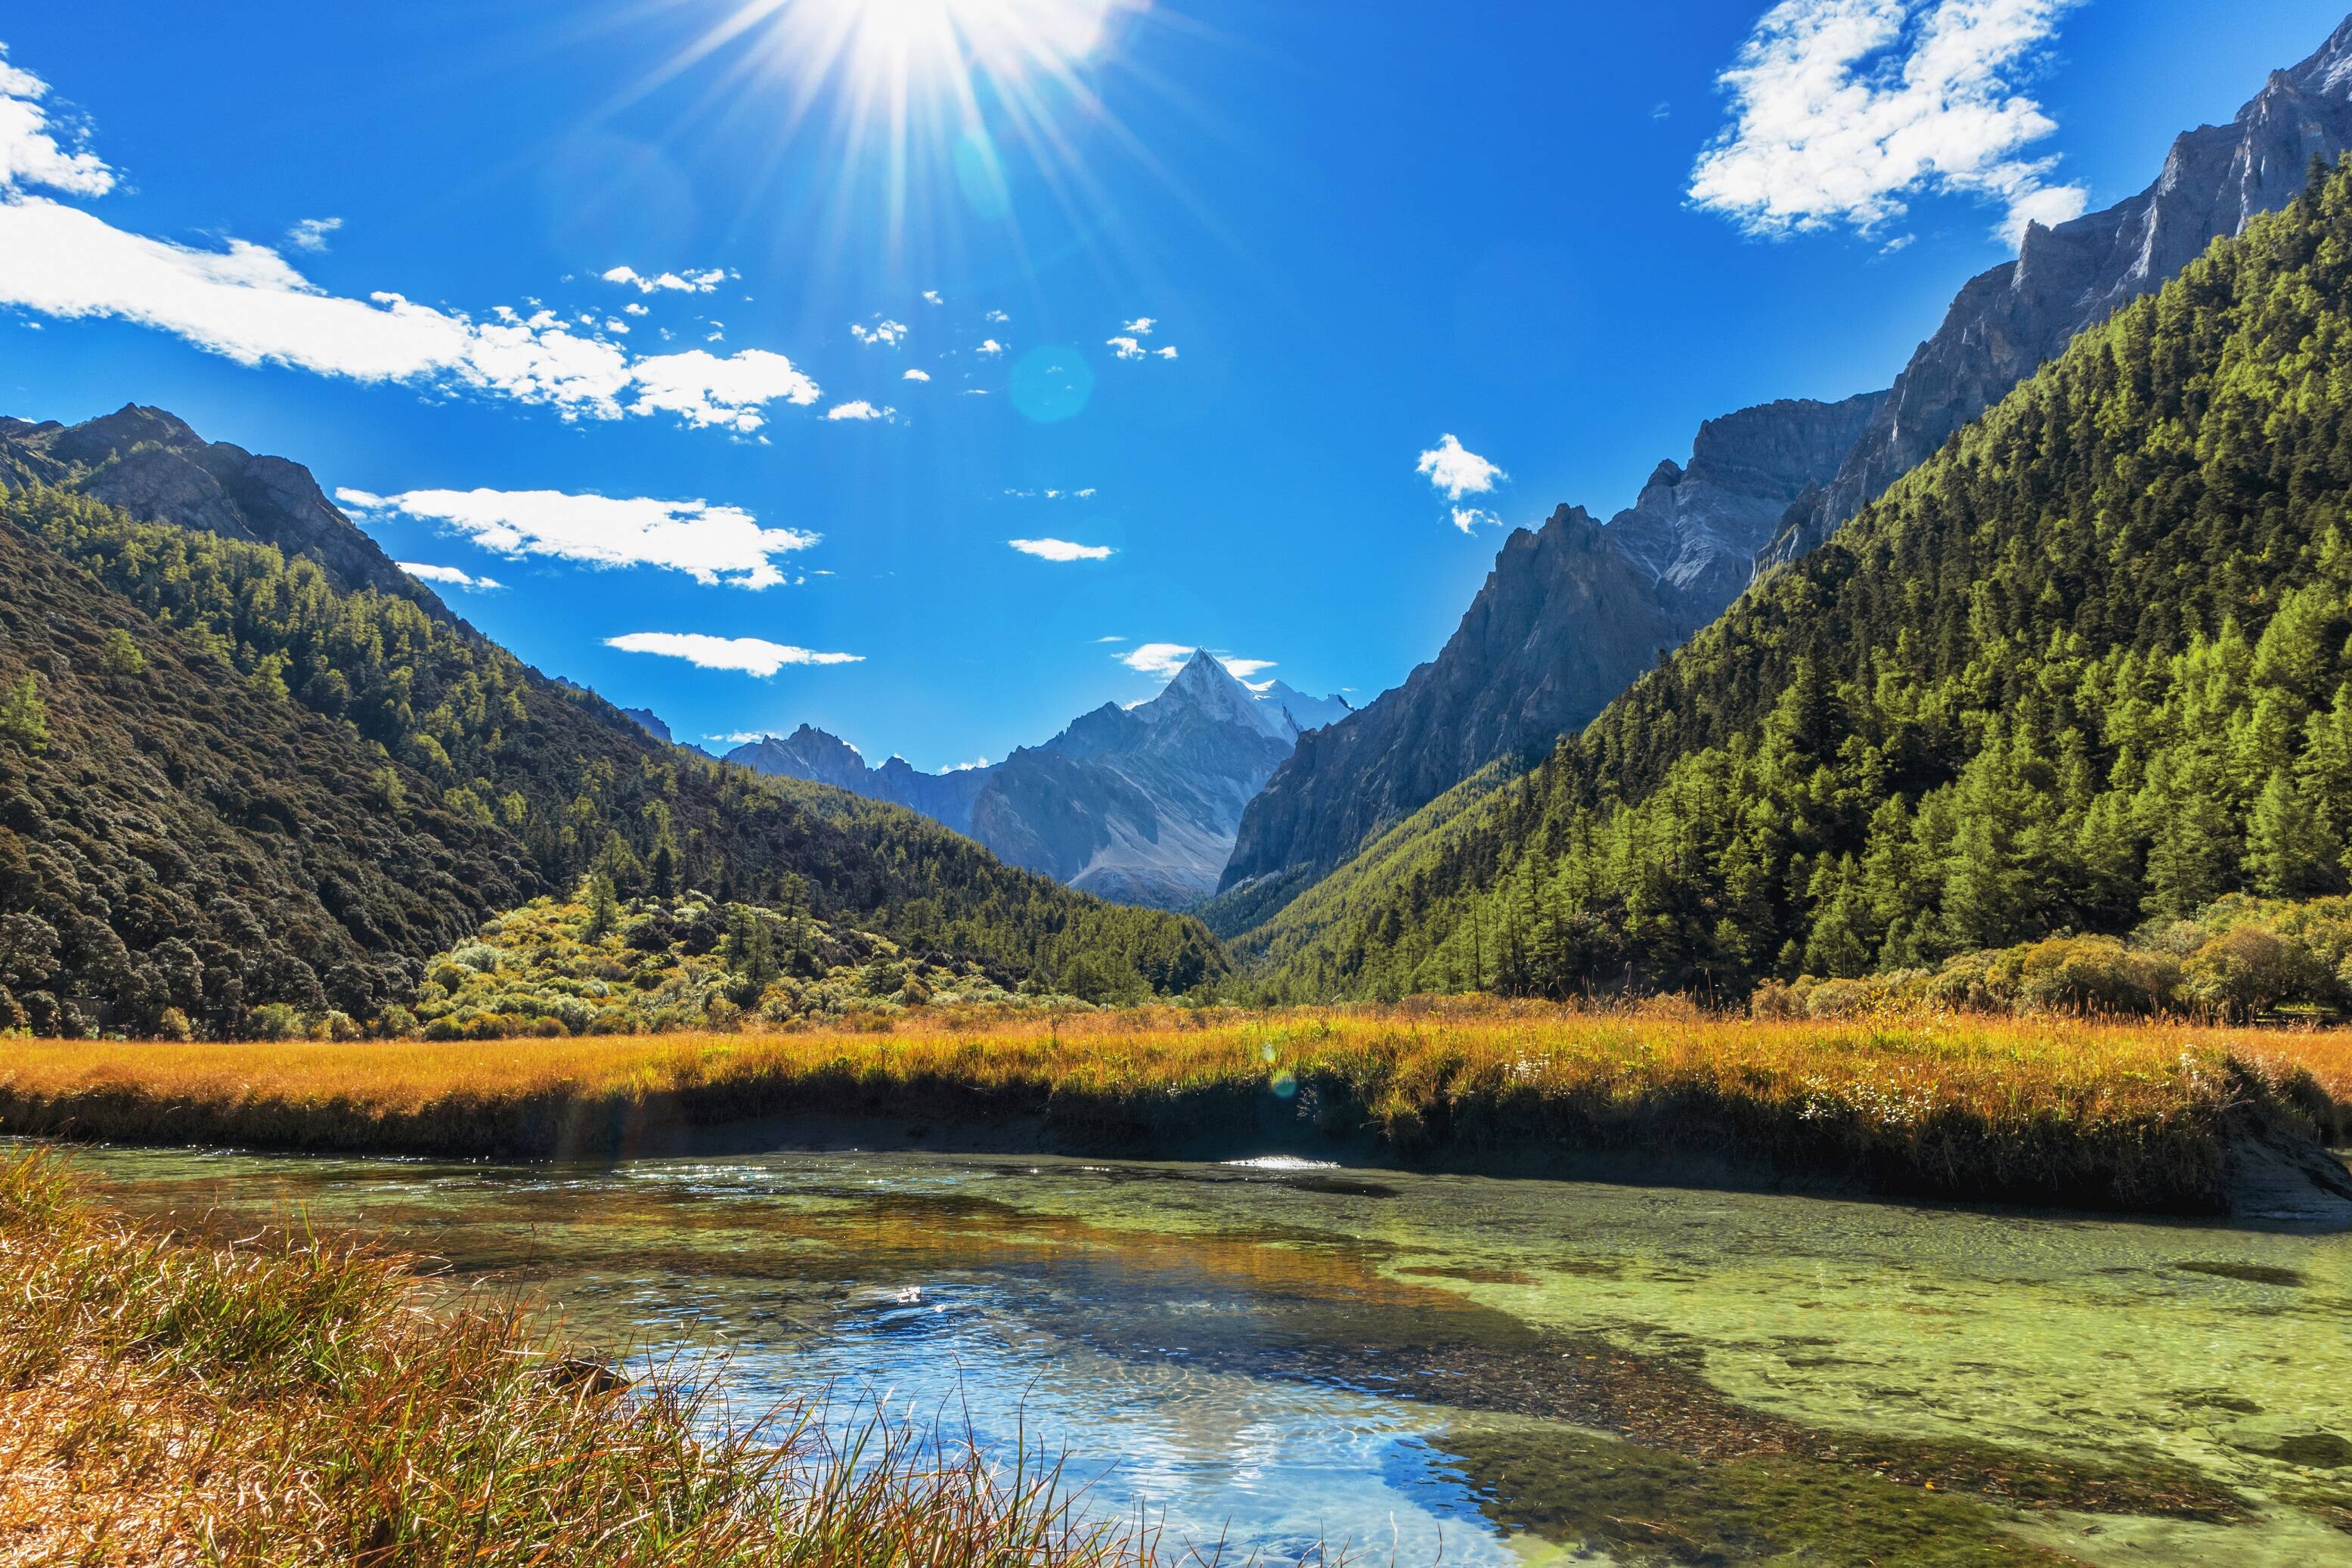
{"x": 286, "y": 1399}
{"x": 2157, "y": 1119}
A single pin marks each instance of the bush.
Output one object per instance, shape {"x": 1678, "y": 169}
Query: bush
{"x": 275, "y": 1021}
{"x": 2249, "y": 969}
{"x": 173, "y": 1026}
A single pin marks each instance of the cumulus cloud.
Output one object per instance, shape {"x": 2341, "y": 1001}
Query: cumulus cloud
{"x": 997, "y": 316}
{"x": 1457, "y": 472}
{"x": 1166, "y": 351}
{"x": 1125, "y": 348}
{"x": 690, "y": 282}
{"x": 1468, "y": 517}
{"x": 1060, "y": 550}
{"x": 752, "y": 656}
{"x": 30, "y": 154}
{"x": 967, "y": 767}
{"x": 990, "y": 348}
{"x": 448, "y": 576}
{"x": 248, "y": 305}
{"x": 932, "y": 297}
{"x": 1138, "y": 328}
{"x": 310, "y": 233}
{"x": 635, "y": 308}
{"x": 884, "y": 332}
{"x": 917, "y": 375}
{"x": 1843, "y": 109}
{"x": 858, "y": 408}
{"x": 712, "y": 544}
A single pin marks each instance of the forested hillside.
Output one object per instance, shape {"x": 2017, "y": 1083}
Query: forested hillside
{"x": 2086, "y": 666}
{"x": 222, "y": 782}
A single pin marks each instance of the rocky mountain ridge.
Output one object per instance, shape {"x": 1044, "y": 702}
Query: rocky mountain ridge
{"x": 1560, "y": 629}
{"x": 150, "y": 464}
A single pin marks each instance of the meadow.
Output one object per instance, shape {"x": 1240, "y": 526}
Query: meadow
{"x": 2139, "y": 1116}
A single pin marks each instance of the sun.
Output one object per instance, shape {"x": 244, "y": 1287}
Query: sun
{"x": 1006, "y": 38}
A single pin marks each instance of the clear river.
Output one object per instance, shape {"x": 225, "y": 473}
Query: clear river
{"x": 1427, "y": 1369}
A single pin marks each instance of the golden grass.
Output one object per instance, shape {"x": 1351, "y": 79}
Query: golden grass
{"x": 291, "y": 1401}
{"x": 1963, "y": 1104}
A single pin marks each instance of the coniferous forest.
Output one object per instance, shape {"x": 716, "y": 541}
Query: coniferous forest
{"x": 225, "y": 785}
{"x": 2088, "y": 669}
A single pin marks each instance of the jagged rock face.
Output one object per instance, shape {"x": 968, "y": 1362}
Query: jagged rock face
{"x": 1698, "y": 529}
{"x": 2007, "y": 322}
{"x": 1137, "y": 804}
{"x": 1764, "y": 486}
{"x": 153, "y": 465}
{"x": 649, "y": 720}
{"x": 1569, "y": 617}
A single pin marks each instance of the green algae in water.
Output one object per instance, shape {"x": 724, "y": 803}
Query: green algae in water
{"x": 1297, "y": 1358}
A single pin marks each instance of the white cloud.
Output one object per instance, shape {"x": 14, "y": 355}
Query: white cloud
{"x": 1160, "y": 659}
{"x": 359, "y": 501}
{"x": 1458, "y": 471}
{"x": 1164, "y": 660}
{"x": 917, "y": 375}
{"x": 1139, "y": 328}
{"x": 691, "y": 282}
{"x": 30, "y": 154}
{"x": 752, "y": 656}
{"x": 888, "y": 332}
{"x": 1467, "y": 517}
{"x": 635, "y": 308}
{"x": 738, "y": 737}
{"x": 1060, "y": 550}
{"x": 932, "y": 297}
{"x": 1126, "y": 348}
{"x": 712, "y": 544}
{"x": 1101, "y": 640}
{"x": 998, "y": 317}
{"x": 311, "y": 233}
{"x": 1841, "y": 109}
{"x": 967, "y": 767}
{"x": 448, "y": 576}
{"x": 990, "y": 348}
{"x": 247, "y": 304}
{"x": 858, "y": 408}
{"x": 1167, "y": 351}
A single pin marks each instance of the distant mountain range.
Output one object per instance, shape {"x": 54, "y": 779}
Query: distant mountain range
{"x": 1574, "y": 611}
{"x": 1136, "y": 805}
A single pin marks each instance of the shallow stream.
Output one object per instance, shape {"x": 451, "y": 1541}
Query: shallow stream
{"x": 1454, "y": 1368}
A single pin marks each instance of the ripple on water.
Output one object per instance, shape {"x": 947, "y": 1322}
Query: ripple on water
{"x": 1297, "y": 1351}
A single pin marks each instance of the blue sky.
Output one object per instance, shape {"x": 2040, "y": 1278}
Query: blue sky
{"x": 1361, "y": 227}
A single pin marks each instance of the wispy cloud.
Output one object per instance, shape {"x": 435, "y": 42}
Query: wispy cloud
{"x": 1457, "y": 472}
{"x": 1138, "y": 328}
{"x": 975, "y": 763}
{"x": 311, "y": 233}
{"x": 1061, "y": 549}
{"x": 1843, "y": 109}
{"x": 1099, "y": 641}
{"x": 1165, "y": 659}
{"x": 932, "y": 297}
{"x": 997, "y": 318}
{"x": 712, "y": 544}
{"x": 448, "y": 576}
{"x": 1469, "y": 518}
{"x": 703, "y": 282}
{"x": 752, "y": 656}
{"x": 884, "y": 332}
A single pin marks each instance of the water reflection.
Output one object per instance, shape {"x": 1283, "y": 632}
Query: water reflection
{"x": 1291, "y": 1352}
